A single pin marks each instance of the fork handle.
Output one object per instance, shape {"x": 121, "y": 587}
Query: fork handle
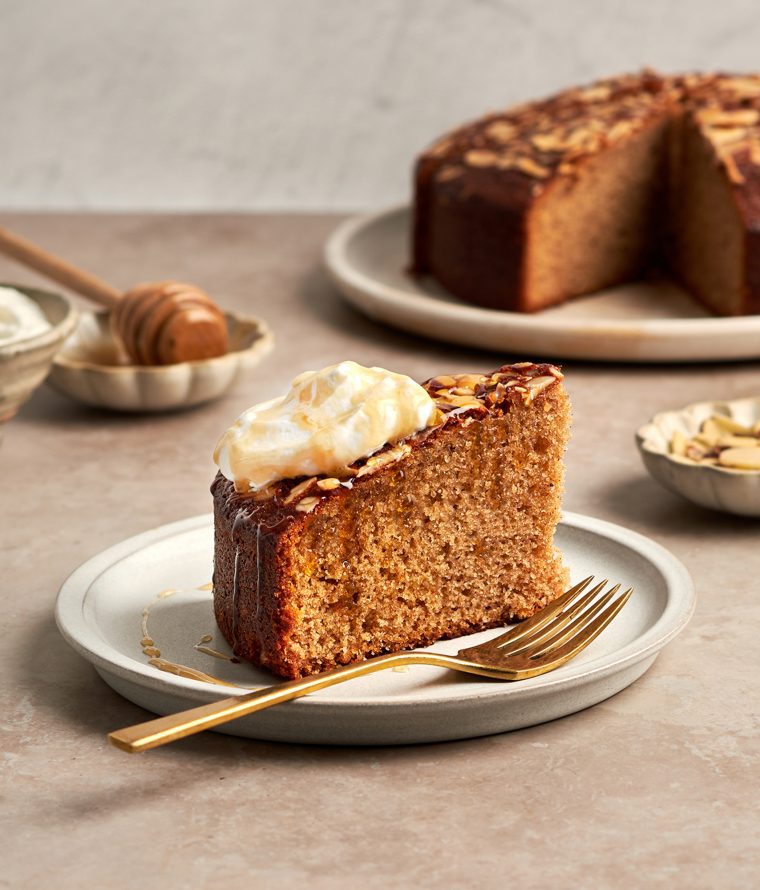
{"x": 162, "y": 730}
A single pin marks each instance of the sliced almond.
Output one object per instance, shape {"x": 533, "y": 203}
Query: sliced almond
{"x": 711, "y": 430}
{"x": 328, "y": 484}
{"x": 679, "y": 443}
{"x": 479, "y": 157}
{"x": 717, "y": 117}
{"x": 501, "y": 131}
{"x": 529, "y": 166}
{"x": 548, "y": 142}
{"x": 734, "y": 173}
{"x": 599, "y": 93}
{"x": 298, "y": 490}
{"x": 723, "y": 138}
{"x": 740, "y": 458}
{"x": 538, "y": 384}
{"x": 446, "y": 174}
{"x": 306, "y": 505}
{"x": 382, "y": 460}
{"x": 730, "y": 441}
{"x": 727, "y": 424}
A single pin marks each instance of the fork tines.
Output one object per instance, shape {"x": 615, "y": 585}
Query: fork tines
{"x": 564, "y": 627}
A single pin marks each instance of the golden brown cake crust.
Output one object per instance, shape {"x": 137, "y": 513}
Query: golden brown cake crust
{"x": 477, "y": 187}
{"x": 283, "y": 554}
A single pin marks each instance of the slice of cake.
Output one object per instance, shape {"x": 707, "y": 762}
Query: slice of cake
{"x": 363, "y": 513}
{"x": 595, "y": 186}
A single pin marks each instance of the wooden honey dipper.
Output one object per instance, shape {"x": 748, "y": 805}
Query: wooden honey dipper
{"x": 159, "y": 323}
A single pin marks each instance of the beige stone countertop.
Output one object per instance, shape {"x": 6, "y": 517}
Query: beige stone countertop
{"x": 656, "y": 787}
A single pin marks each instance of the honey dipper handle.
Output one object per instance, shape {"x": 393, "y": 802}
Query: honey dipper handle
{"x": 59, "y": 270}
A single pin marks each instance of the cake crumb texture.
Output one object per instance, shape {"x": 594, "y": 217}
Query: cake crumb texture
{"x": 454, "y": 537}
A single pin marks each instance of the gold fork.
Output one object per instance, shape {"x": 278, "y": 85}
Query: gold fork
{"x": 542, "y": 643}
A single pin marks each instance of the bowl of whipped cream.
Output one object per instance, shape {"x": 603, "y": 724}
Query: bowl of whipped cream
{"x": 33, "y": 326}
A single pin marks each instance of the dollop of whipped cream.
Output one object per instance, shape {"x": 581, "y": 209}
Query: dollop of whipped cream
{"x": 328, "y": 420}
{"x": 20, "y": 317}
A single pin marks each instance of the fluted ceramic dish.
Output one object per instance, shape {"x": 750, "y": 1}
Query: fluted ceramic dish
{"x": 25, "y": 364}
{"x": 92, "y": 368}
{"x": 715, "y": 487}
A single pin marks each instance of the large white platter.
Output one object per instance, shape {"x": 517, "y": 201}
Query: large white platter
{"x": 367, "y": 258}
{"x": 100, "y": 611}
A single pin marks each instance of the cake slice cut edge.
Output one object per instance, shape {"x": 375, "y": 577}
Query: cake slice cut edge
{"x": 449, "y": 532}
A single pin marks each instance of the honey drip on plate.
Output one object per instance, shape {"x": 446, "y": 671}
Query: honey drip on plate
{"x": 181, "y": 670}
{"x": 153, "y": 653}
{"x": 201, "y": 646}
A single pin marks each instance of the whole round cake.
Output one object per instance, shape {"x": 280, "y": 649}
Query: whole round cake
{"x": 595, "y": 186}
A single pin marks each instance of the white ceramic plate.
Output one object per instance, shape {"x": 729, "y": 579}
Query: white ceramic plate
{"x": 367, "y": 258}
{"x": 100, "y": 611}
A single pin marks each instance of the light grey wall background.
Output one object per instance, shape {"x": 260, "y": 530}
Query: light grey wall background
{"x": 308, "y": 104}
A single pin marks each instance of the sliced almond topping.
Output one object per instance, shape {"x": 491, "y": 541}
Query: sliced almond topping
{"x": 598, "y": 93}
{"x": 298, "y": 490}
{"x": 444, "y": 380}
{"x": 620, "y": 130}
{"x": 538, "y": 384}
{"x": 726, "y": 137}
{"x": 328, "y": 484}
{"x": 548, "y": 142}
{"x": 740, "y": 117}
{"x": 529, "y": 166}
{"x": 306, "y": 505}
{"x": 445, "y": 174}
{"x": 734, "y": 173}
{"x": 479, "y": 157}
{"x": 387, "y": 457}
{"x": 463, "y": 401}
{"x": 501, "y": 131}
{"x": 470, "y": 381}
{"x": 742, "y": 87}
{"x": 440, "y": 147}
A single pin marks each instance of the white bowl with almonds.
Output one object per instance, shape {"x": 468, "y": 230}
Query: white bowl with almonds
{"x": 708, "y": 452}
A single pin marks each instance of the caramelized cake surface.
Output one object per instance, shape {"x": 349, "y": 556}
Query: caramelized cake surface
{"x": 595, "y": 186}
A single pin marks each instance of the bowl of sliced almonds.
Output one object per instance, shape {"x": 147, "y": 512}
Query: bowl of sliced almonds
{"x": 708, "y": 452}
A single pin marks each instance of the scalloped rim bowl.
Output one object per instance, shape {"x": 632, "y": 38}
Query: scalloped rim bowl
{"x": 91, "y": 368}
{"x": 25, "y": 363}
{"x": 715, "y": 487}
